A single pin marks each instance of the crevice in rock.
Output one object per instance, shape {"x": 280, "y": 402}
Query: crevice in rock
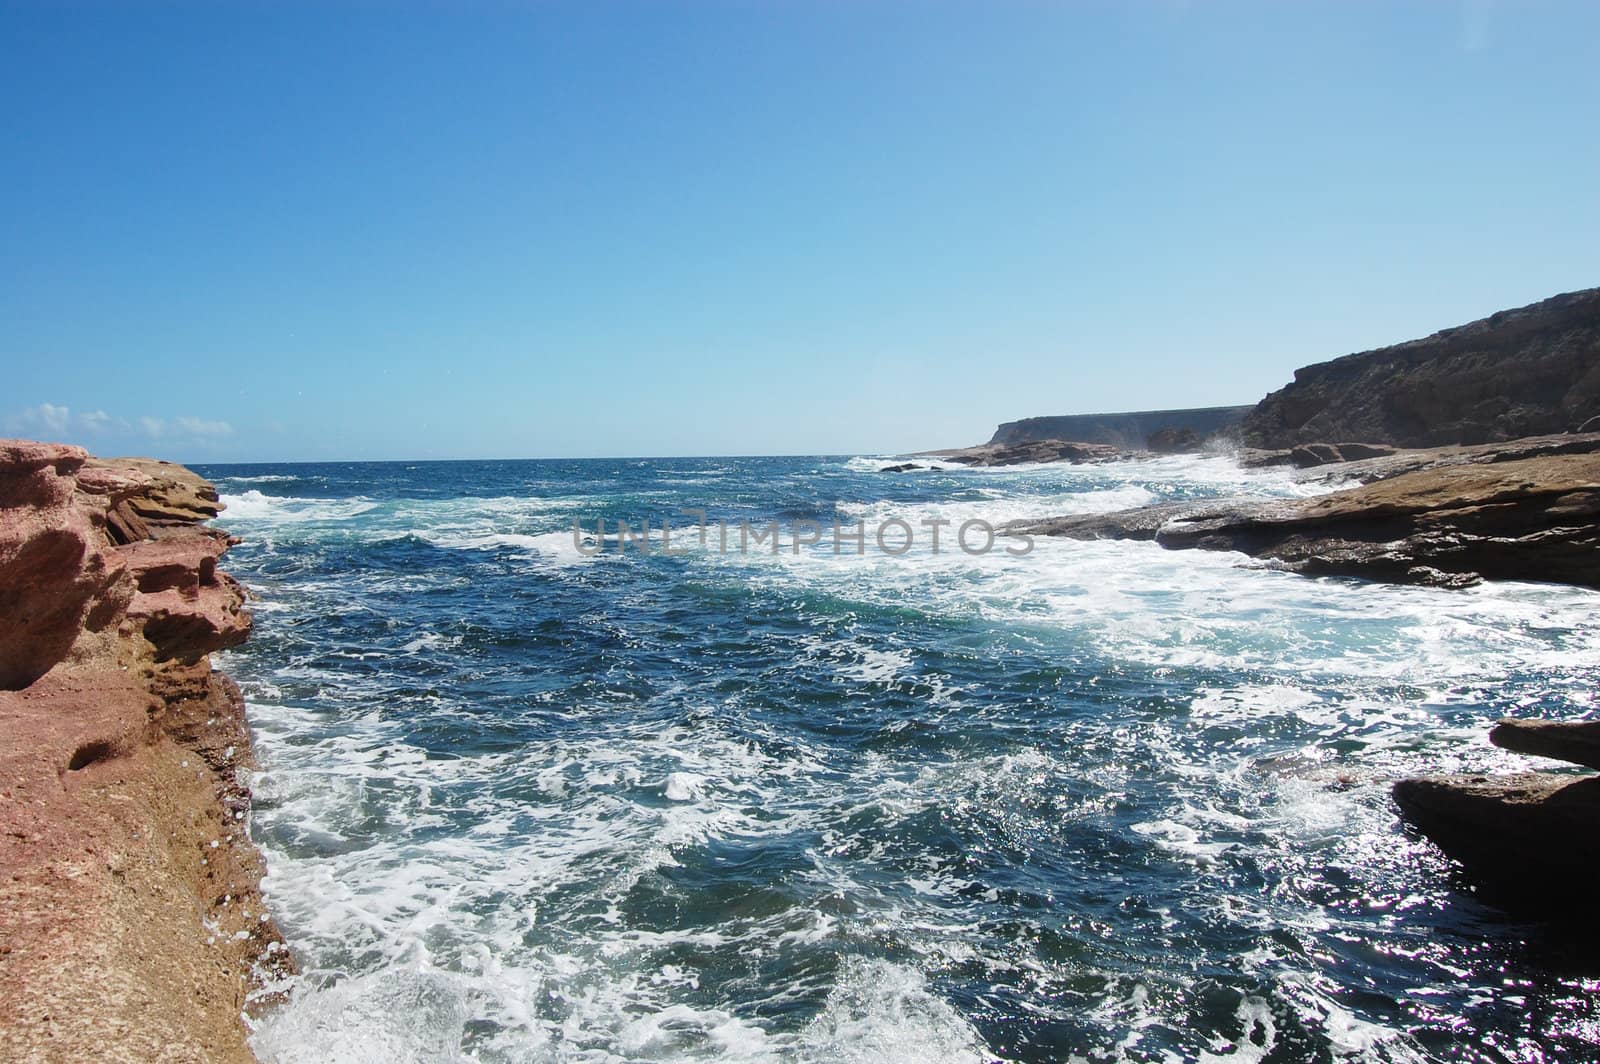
{"x": 91, "y": 753}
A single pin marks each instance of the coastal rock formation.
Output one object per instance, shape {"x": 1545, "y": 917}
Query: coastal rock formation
{"x": 1525, "y": 372}
{"x": 1006, "y": 454}
{"x": 1449, "y": 525}
{"x": 1576, "y": 742}
{"x": 1174, "y": 441}
{"x": 1410, "y": 460}
{"x": 51, "y": 570}
{"x": 1310, "y": 455}
{"x": 131, "y": 925}
{"x": 1154, "y": 430}
{"x": 1527, "y": 839}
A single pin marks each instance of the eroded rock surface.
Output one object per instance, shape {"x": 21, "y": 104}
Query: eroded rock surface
{"x": 1525, "y": 372}
{"x": 1449, "y": 525}
{"x": 131, "y": 925}
{"x": 1005, "y": 454}
{"x": 1527, "y": 839}
{"x": 1575, "y": 742}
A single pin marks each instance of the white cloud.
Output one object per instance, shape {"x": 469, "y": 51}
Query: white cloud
{"x": 57, "y": 422}
{"x": 55, "y": 418}
{"x": 196, "y": 426}
{"x": 46, "y": 419}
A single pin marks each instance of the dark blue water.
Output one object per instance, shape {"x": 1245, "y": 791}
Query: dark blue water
{"x": 1099, "y": 802}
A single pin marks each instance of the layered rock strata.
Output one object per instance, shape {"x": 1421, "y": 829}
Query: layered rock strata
{"x": 1452, "y": 524}
{"x": 1031, "y": 451}
{"x": 1526, "y": 840}
{"x": 1530, "y": 371}
{"x": 131, "y": 923}
{"x": 1154, "y": 430}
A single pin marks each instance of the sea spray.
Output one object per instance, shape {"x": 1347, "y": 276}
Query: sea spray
{"x": 1104, "y": 800}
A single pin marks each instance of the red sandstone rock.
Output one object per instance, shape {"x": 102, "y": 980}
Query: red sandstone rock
{"x": 130, "y": 918}
{"x": 54, "y": 563}
{"x": 171, "y": 493}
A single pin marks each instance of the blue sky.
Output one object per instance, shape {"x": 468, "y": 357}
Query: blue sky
{"x": 362, "y": 230}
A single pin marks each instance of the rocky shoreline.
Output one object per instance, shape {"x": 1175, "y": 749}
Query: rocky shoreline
{"x": 1473, "y": 454}
{"x": 131, "y": 920}
{"x": 1527, "y": 839}
{"x": 1521, "y": 511}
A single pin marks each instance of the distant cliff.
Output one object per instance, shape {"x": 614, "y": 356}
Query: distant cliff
{"x": 1152, "y": 429}
{"x": 1524, "y": 372}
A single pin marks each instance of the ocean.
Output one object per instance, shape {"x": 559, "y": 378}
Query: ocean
{"x": 1092, "y": 802}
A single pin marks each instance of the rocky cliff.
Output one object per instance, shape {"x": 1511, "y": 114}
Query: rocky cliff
{"x": 1156, "y": 430}
{"x": 1525, "y": 372}
{"x": 131, "y": 925}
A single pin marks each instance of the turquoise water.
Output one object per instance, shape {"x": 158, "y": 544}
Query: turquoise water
{"x": 1099, "y": 802}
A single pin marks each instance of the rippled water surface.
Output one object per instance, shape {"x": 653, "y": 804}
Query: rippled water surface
{"x": 1100, "y": 802}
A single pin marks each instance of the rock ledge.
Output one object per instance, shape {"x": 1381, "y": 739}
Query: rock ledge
{"x": 131, "y": 922}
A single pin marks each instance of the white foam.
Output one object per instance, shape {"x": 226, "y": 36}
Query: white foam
{"x": 430, "y": 641}
{"x": 684, "y": 786}
{"x": 883, "y": 1013}
{"x": 1256, "y": 1041}
{"x": 252, "y": 505}
{"x": 392, "y": 1016}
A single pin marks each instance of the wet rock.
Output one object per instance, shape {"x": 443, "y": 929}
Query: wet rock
{"x": 1576, "y": 742}
{"x": 1310, "y": 455}
{"x": 1141, "y": 524}
{"x": 1257, "y": 458}
{"x": 1526, "y": 519}
{"x": 1307, "y": 455}
{"x": 1526, "y": 839}
{"x": 1033, "y": 451}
